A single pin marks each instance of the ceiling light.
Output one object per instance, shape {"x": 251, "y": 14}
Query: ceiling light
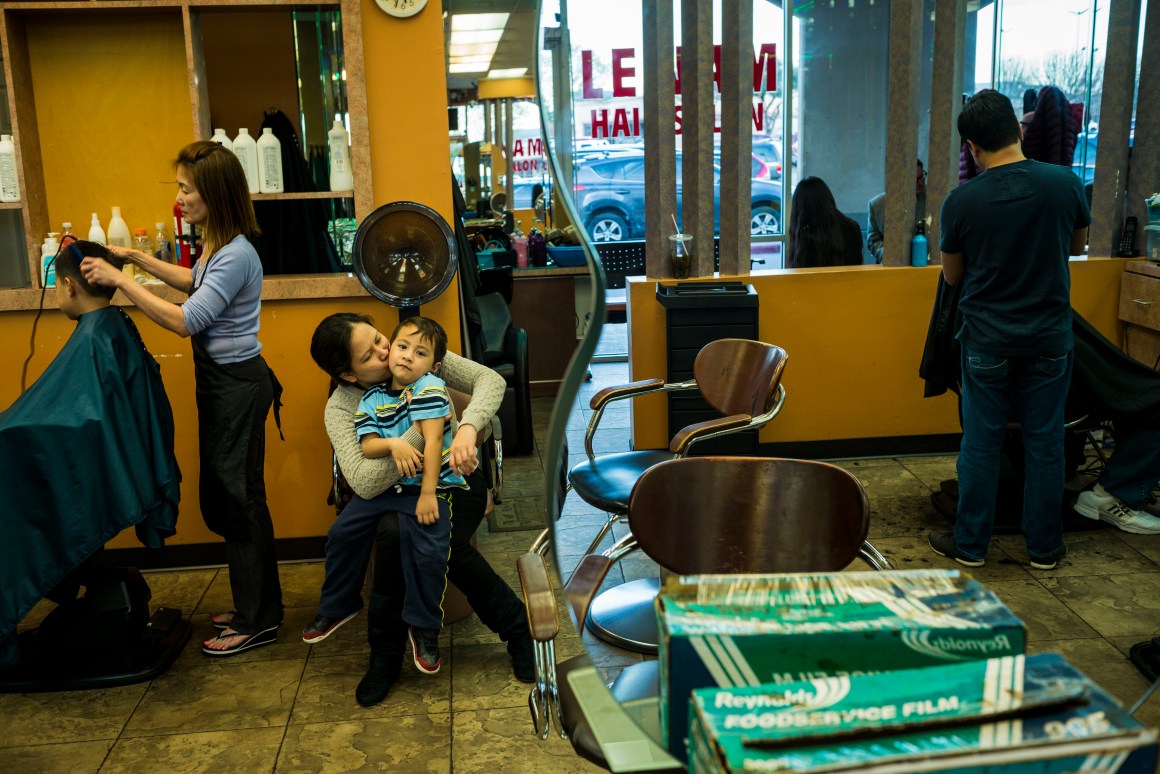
{"x": 476, "y": 36}
{"x": 479, "y": 21}
{"x": 475, "y": 60}
{"x": 475, "y": 49}
{"x": 466, "y": 68}
{"x": 511, "y": 72}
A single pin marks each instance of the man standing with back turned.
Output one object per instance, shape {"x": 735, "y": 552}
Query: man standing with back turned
{"x": 1006, "y": 236}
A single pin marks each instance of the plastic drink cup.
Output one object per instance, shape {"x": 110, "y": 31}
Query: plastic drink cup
{"x": 680, "y": 251}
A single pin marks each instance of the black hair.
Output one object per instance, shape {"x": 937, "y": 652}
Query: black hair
{"x": 429, "y": 330}
{"x": 330, "y": 344}
{"x": 815, "y": 227}
{"x": 988, "y": 120}
{"x": 68, "y": 265}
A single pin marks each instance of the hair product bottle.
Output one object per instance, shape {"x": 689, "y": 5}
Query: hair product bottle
{"x": 48, "y": 251}
{"x": 119, "y": 236}
{"x": 341, "y": 177}
{"x": 96, "y": 233}
{"x": 246, "y": 149}
{"x": 269, "y": 163}
{"x": 221, "y": 138}
{"x": 9, "y": 181}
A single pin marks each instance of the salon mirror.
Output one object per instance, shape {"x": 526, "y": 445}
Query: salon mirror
{"x": 553, "y": 82}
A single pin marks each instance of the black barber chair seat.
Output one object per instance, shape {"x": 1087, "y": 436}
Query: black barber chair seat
{"x": 506, "y": 351}
{"x": 101, "y": 639}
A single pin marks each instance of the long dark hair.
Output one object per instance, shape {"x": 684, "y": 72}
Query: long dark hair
{"x": 815, "y": 227}
{"x": 330, "y": 344}
{"x": 217, "y": 175}
{"x": 1051, "y": 134}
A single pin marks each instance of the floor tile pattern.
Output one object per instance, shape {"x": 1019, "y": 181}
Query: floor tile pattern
{"x": 290, "y": 707}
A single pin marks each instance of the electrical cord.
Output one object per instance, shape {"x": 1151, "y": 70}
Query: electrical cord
{"x": 1147, "y": 694}
{"x": 36, "y": 320}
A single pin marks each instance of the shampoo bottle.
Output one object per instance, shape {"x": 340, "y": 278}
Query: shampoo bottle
{"x": 341, "y": 177}
{"x": 9, "y": 182}
{"x": 96, "y": 233}
{"x": 119, "y": 235}
{"x": 269, "y": 163}
{"x": 247, "y": 152}
{"x": 221, "y": 138}
{"x": 48, "y": 252}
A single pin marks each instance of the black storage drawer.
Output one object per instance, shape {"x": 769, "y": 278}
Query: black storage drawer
{"x": 695, "y": 314}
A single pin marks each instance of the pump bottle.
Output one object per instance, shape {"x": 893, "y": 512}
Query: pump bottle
{"x": 48, "y": 252}
{"x": 269, "y": 163}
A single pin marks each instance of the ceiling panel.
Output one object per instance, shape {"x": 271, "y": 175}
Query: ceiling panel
{"x": 516, "y": 47}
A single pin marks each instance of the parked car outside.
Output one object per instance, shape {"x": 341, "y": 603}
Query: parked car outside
{"x": 609, "y": 196}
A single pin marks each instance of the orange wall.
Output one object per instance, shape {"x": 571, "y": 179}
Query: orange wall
{"x": 854, "y": 339}
{"x": 407, "y": 113}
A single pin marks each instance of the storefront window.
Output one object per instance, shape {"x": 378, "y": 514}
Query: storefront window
{"x": 607, "y": 108}
{"x": 1045, "y": 43}
{"x": 840, "y": 100}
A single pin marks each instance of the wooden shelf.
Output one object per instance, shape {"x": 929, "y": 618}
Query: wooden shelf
{"x": 276, "y": 197}
{"x": 23, "y": 33}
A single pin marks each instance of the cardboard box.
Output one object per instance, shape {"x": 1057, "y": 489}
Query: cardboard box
{"x": 738, "y": 630}
{"x": 1033, "y": 715}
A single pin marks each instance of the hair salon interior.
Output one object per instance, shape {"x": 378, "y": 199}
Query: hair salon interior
{"x": 716, "y": 463}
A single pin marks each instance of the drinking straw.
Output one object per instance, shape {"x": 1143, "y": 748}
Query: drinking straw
{"x": 678, "y": 228}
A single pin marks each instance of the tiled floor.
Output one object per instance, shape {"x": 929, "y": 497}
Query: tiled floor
{"x": 290, "y": 707}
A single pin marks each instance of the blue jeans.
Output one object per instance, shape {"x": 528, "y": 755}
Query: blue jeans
{"x": 1038, "y": 387}
{"x": 1135, "y": 465}
{"x": 423, "y": 557}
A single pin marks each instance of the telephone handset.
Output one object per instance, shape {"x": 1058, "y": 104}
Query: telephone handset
{"x": 1127, "y": 250}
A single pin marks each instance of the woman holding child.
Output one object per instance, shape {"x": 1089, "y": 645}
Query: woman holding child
{"x": 235, "y": 387}
{"x": 356, "y": 355}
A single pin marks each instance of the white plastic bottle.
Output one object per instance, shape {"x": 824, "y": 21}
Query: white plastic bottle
{"x": 269, "y": 163}
{"x": 221, "y": 138}
{"x": 48, "y": 251}
{"x": 119, "y": 235}
{"x": 96, "y": 233}
{"x": 341, "y": 177}
{"x": 247, "y": 152}
{"x": 9, "y": 180}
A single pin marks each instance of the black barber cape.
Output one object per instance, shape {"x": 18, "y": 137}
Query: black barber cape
{"x": 86, "y": 452}
{"x": 1106, "y": 383}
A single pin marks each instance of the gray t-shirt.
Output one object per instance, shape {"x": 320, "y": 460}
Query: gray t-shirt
{"x": 226, "y": 301}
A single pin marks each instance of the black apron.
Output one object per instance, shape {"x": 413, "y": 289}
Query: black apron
{"x": 233, "y": 401}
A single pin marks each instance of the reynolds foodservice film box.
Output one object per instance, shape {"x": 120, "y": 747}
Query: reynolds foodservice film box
{"x": 1033, "y": 715}
{"x": 737, "y": 630}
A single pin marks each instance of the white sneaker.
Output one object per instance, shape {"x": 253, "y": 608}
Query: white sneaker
{"x": 1111, "y": 510}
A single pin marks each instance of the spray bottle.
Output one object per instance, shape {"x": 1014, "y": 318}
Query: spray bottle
{"x": 48, "y": 252}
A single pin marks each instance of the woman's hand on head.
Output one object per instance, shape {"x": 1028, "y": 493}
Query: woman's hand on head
{"x": 98, "y": 271}
{"x": 463, "y": 455}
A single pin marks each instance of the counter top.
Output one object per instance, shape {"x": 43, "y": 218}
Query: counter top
{"x": 1147, "y": 268}
{"x": 278, "y": 288}
{"x": 551, "y": 271}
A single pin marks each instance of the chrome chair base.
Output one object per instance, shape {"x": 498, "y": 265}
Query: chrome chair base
{"x": 623, "y": 616}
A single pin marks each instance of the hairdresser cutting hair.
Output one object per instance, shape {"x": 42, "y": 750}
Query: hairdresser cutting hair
{"x": 235, "y": 387}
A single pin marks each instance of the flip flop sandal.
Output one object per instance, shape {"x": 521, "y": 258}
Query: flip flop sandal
{"x": 222, "y": 620}
{"x": 265, "y": 637}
